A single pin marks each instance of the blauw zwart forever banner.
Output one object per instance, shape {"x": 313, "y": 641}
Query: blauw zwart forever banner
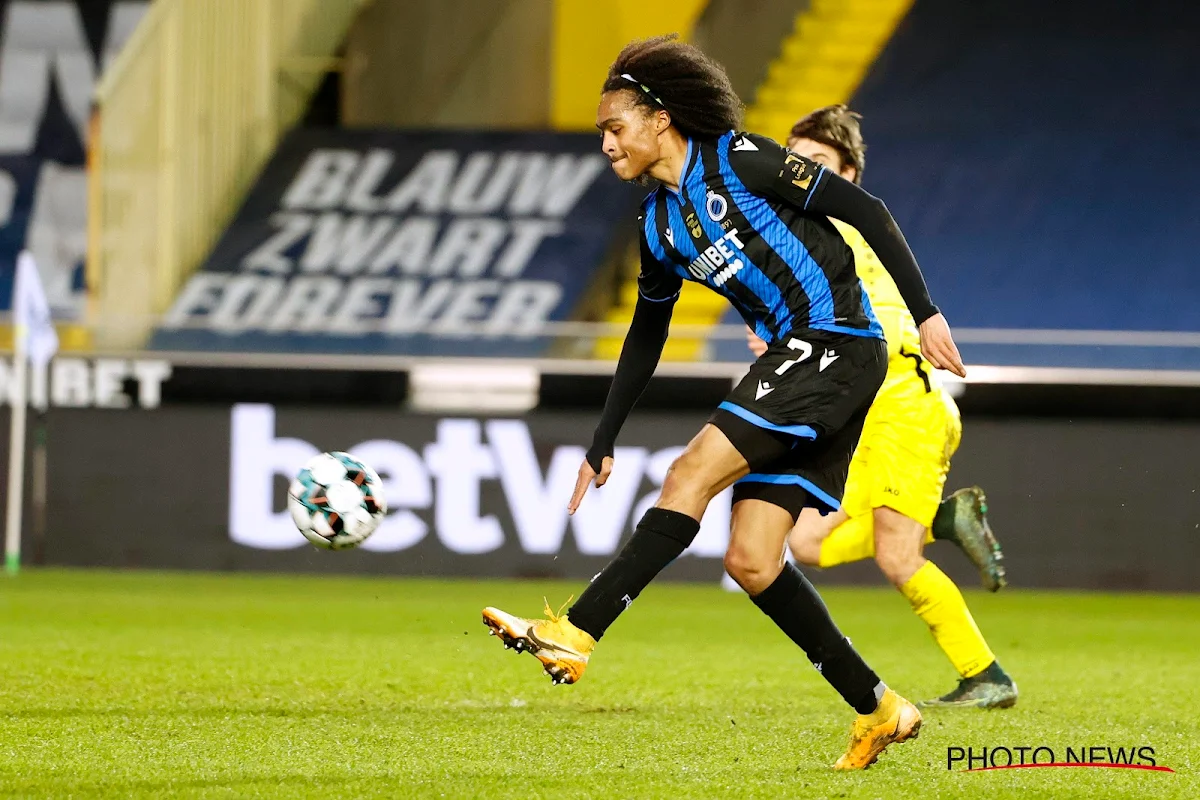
{"x": 380, "y": 235}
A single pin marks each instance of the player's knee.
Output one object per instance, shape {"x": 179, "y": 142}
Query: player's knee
{"x": 894, "y": 565}
{"x": 753, "y": 571}
{"x": 677, "y": 486}
{"x": 685, "y": 482}
{"x": 898, "y": 547}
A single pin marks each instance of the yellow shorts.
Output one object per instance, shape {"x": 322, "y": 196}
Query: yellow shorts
{"x": 903, "y": 456}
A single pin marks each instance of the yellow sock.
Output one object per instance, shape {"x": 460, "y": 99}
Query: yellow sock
{"x": 853, "y": 540}
{"x": 938, "y": 602}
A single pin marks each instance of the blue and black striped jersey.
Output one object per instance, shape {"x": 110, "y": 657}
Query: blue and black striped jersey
{"x": 751, "y": 221}
{"x": 740, "y": 225}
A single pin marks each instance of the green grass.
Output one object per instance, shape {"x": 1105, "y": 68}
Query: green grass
{"x": 153, "y": 685}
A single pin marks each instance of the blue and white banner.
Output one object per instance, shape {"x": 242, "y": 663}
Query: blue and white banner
{"x": 51, "y": 54}
{"x": 406, "y": 242}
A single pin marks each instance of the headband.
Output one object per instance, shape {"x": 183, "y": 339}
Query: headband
{"x": 644, "y": 87}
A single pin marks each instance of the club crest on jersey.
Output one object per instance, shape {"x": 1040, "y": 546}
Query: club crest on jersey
{"x": 717, "y": 207}
{"x": 694, "y": 225}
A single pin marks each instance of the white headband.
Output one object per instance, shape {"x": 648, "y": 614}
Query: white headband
{"x": 644, "y": 87}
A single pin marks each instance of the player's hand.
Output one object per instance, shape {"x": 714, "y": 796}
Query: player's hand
{"x": 756, "y": 345}
{"x": 937, "y": 345}
{"x": 587, "y": 476}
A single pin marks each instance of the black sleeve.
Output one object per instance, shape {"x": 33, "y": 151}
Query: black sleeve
{"x": 839, "y": 198}
{"x": 770, "y": 171}
{"x": 774, "y": 172}
{"x": 639, "y": 358}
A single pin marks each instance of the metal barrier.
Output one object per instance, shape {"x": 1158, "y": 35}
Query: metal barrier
{"x": 184, "y": 119}
{"x": 570, "y": 346}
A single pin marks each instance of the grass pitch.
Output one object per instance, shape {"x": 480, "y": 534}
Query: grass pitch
{"x": 156, "y": 685}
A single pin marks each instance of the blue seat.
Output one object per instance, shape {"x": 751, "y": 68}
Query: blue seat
{"x": 1041, "y": 159}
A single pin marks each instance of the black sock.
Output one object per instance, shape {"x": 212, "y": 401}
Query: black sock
{"x": 794, "y": 605}
{"x": 657, "y": 541}
{"x": 942, "y": 526}
{"x": 993, "y": 673}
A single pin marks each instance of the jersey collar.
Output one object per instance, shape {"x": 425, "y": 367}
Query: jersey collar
{"x": 687, "y": 168}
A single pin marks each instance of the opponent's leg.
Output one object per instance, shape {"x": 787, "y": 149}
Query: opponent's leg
{"x": 940, "y": 605}
{"x": 962, "y": 519}
{"x": 755, "y": 560}
{"x": 847, "y": 534}
{"x": 564, "y": 643}
{"x": 812, "y": 530}
{"x": 838, "y": 538}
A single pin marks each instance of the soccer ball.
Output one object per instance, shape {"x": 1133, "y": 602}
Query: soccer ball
{"x": 336, "y": 501}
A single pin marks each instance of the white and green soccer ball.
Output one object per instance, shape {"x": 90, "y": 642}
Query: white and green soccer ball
{"x": 336, "y": 501}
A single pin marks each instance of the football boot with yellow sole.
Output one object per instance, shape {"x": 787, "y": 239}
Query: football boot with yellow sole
{"x": 562, "y": 648}
{"x": 895, "y": 720}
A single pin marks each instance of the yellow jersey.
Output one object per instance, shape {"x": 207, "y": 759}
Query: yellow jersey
{"x": 908, "y": 371}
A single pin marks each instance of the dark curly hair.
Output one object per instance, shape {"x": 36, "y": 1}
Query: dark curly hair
{"x": 669, "y": 74}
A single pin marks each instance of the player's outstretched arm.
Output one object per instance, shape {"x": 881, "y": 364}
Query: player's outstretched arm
{"x": 937, "y": 345}
{"x": 587, "y": 476}
{"x": 778, "y": 174}
{"x": 639, "y": 357}
{"x": 839, "y": 198}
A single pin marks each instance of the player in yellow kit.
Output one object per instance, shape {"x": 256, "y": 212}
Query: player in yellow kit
{"x": 893, "y": 501}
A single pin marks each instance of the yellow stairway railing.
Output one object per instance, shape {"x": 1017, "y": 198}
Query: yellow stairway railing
{"x": 185, "y": 117}
{"x": 832, "y": 45}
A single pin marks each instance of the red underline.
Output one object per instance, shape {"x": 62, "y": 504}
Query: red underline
{"x": 1072, "y": 764}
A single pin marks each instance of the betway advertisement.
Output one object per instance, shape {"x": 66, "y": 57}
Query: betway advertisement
{"x": 135, "y": 483}
{"x": 469, "y": 496}
{"x": 476, "y": 486}
{"x": 398, "y": 242}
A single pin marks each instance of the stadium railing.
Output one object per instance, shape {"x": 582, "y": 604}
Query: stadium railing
{"x": 516, "y": 384}
{"x": 179, "y": 132}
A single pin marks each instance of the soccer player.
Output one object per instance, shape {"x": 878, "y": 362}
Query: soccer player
{"x": 750, "y": 220}
{"x": 891, "y": 506}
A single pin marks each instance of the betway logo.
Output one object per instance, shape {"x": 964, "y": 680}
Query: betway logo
{"x": 435, "y": 488}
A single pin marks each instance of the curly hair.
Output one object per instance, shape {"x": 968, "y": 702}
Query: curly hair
{"x": 665, "y": 73}
{"x": 836, "y": 126}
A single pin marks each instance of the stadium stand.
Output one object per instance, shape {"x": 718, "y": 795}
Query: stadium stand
{"x": 1049, "y": 196}
{"x": 50, "y": 58}
{"x": 821, "y": 60}
{"x": 178, "y": 135}
{"x": 1001, "y": 147}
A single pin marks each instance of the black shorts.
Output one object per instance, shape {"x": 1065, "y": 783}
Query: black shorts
{"x": 797, "y": 415}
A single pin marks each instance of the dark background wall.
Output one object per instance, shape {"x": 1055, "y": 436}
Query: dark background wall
{"x": 453, "y": 63}
{"x": 1089, "y": 504}
{"x": 759, "y": 27}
